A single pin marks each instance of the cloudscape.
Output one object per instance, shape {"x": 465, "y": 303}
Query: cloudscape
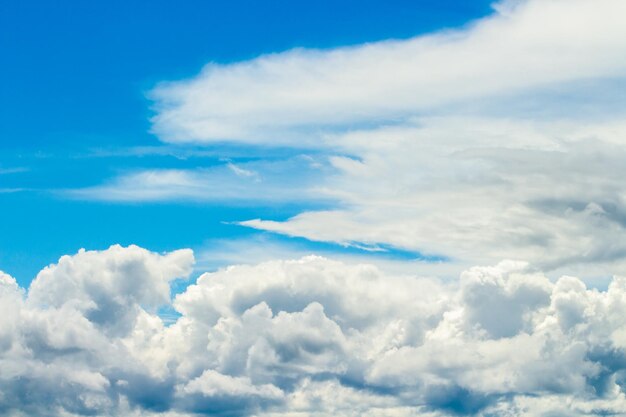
{"x": 352, "y": 208}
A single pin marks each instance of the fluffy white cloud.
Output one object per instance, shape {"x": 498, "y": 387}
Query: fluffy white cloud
{"x": 307, "y": 337}
{"x": 107, "y": 288}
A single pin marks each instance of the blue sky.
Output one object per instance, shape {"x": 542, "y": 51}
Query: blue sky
{"x": 74, "y": 100}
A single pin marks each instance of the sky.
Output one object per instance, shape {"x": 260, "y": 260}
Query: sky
{"x": 288, "y": 208}
{"x": 75, "y": 110}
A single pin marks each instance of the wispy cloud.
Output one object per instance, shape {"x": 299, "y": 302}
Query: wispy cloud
{"x": 13, "y": 170}
{"x": 244, "y": 173}
{"x": 279, "y": 181}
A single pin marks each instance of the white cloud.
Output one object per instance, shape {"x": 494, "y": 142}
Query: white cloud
{"x": 502, "y": 139}
{"x": 287, "y": 97}
{"x": 478, "y": 190}
{"x": 242, "y": 172}
{"x": 307, "y": 337}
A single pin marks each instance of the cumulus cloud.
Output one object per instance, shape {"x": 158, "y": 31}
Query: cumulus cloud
{"x": 307, "y": 337}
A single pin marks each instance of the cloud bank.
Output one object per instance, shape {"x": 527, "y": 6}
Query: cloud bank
{"x": 306, "y": 337}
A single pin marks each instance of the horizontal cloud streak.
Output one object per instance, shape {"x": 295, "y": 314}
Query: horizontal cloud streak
{"x": 309, "y": 336}
{"x": 280, "y": 181}
{"x": 289, "y": 97}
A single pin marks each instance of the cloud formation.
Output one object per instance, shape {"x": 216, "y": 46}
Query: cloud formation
{"x": 479, "y": 190}
{"x": 287, "y": 97}
{"x": 306, "y": 337}
{"x": 500, "y": 140}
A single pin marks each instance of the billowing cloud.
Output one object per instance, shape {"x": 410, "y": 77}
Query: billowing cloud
{"x": 307, "y": 337}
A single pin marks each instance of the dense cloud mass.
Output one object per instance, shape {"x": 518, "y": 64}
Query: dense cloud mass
{"x": 307, "y": 337}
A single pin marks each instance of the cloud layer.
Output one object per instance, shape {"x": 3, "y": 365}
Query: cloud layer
{"x": 503, "y": 139}
{"x": 282, "y": 97}
{"x": 306, "y": 337}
